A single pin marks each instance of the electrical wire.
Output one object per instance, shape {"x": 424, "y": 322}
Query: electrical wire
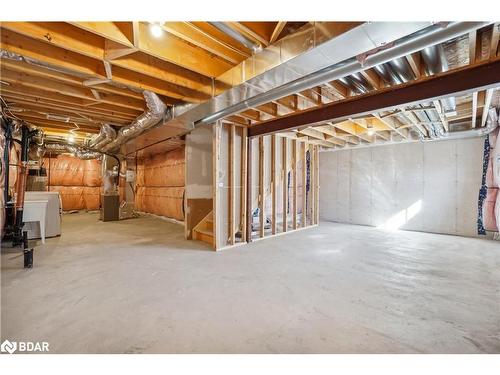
{"x": 11, "y": 115}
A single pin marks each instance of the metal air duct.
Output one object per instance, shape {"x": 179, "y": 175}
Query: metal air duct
{"x": 236, "y": 36}
{"x": 156, "y": 112}
{"x": 435, "y": 61}
{"x": 399, "y": 48}
{"x": 76, "y": 151}
{"x": 105, "y": 136}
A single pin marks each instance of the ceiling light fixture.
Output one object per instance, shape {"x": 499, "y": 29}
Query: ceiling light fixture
{"x": 156, "y": 29}
{"x": 370, "y": 131}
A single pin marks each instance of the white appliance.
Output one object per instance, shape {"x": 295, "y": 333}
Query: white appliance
{"x": 53, "y": 217}
{"x": 36, "y": 212}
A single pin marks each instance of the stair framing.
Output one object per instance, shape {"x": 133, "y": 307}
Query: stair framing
{"x": 204, "y": 230}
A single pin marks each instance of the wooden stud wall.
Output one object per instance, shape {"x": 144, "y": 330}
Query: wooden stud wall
{"x": 281, "y": 194}
{"x": 295, "y": 181}
{"x": 284, "y": 174}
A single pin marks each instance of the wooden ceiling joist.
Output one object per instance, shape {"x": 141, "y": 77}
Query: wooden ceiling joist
{"x": 277, "y": 31}
{"x": 172, "y": 49}
{"x": 137, "y": 71}
{"x": 95, "y": 72}
{"x": 27, "y": 81}
{"x": 44, "y": 72}
{"x": 54, "y": 100}
{"x": 52, "y": 108}
{"x": 259, "y": 34}
{"x": 190, "y": 33}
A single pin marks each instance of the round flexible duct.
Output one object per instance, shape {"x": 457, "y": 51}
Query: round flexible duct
{"x": 76, "y": 151}
{"x": 106, "y": 135}
{"x": 155, "y": 113}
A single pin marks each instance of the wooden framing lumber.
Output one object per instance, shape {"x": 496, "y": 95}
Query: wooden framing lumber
{"x": 304, "y": 187}
{"x": 244, "y": 189}
{"x": 249, "y": 184}
{"x": 294, "y": 171}
{"x": 232, "y": 184}
{"x": 312, "y": 177}
{"x": 262, "y": 216}
{"x": 273, "y": 185}
{"x": 277, "y": 31}
{"x": 474, "y": 109}
{"x": 284, "y": 174}
{"x": 215, "y": 178}
{"x": 316, "y": 184}
{"x": 487, "y": 104}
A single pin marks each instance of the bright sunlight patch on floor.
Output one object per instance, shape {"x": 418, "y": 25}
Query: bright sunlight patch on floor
{"x": 402, "y": 217}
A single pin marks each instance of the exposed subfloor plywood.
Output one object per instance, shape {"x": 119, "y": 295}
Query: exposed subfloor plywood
{"x": 138, "y": 286}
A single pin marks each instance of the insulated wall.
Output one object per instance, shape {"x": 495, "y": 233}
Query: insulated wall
{"x": 77, "y": 181}
{"x": 430, "y": 187}
{"x": 160, "y": 183}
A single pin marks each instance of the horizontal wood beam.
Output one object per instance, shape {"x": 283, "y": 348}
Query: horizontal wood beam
{"x": 175, "y": 50}
{"x": 452, "y": 83}
{"x": 190, "y": 33}
{"x": 277, "y": 31}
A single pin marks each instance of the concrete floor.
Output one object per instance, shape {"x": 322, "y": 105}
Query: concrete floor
{"x": 137, "y": 286}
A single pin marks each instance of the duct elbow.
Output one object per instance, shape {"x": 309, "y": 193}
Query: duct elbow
{"x": 155, "y": 112}
{"x": 106, "y": 135}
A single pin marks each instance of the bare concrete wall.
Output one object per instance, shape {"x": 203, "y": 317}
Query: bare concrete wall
{"x": 430, "y": 187}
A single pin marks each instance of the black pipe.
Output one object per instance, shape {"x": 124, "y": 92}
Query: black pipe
{"x": 6, "y": 157}
{"x": 26, "y": 136}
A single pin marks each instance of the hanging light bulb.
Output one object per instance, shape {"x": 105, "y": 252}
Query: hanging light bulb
{"x": 71, "y": 138}
{"x": 156, "y": 29}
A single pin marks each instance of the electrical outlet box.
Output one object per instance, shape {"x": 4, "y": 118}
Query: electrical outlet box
{"x": 130, "y": 176}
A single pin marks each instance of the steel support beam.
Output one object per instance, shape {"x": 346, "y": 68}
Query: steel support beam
{"x": 452, "y": 83}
